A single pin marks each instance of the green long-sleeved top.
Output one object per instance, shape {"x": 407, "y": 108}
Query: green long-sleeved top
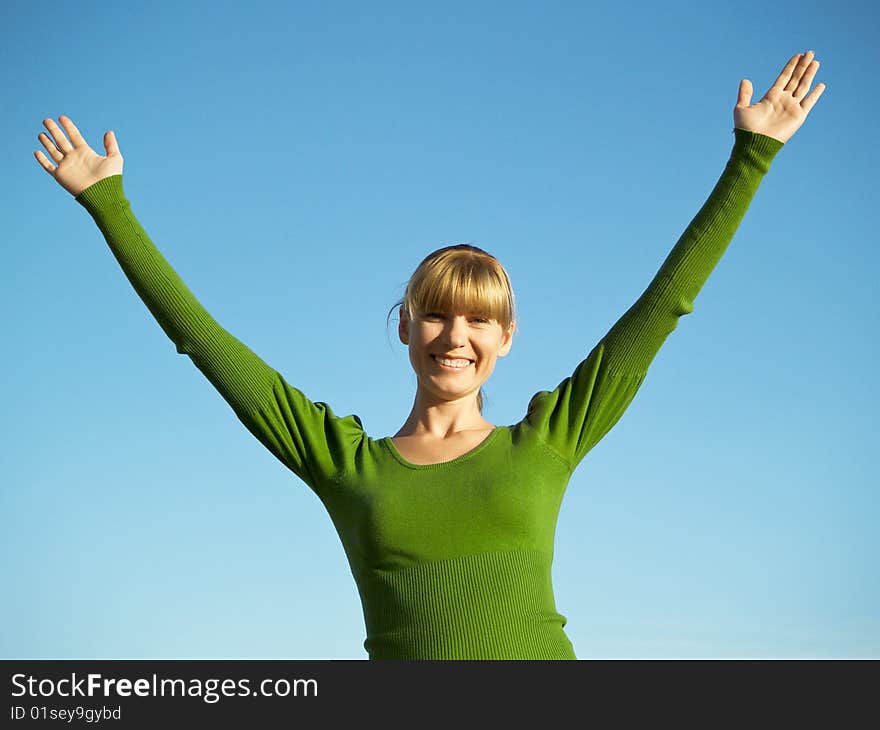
{"x": 451, "y": 560}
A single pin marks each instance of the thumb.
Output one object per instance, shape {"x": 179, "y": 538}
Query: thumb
{"x": 745, "y": 93}
{"x": 110, "y": 143}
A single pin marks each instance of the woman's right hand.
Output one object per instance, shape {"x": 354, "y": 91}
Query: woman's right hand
{"x": 77, "y": 166}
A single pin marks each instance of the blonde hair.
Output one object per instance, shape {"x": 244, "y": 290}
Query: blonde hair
{"x": 460, "y": 278}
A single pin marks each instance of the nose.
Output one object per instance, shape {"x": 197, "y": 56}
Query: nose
{"x": 455, "y": 332}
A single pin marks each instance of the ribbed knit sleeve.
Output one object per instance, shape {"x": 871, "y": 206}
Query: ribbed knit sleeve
{"x": 306, "y": 437}
{"x": 585, "y": 406}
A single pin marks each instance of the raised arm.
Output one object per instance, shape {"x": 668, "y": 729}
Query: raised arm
{"x": 586, "y": 405}
{"x": 307, "y": 437}
{"x": 760, "y": 131}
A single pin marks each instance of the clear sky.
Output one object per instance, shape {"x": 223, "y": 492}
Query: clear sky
{"x": 294, "y": 162}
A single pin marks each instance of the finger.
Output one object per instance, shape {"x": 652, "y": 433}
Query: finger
{"x": 808, "y": 103}
{"x": 61, "y": 141}
{"x": 798, "y": 72}
{"x": 806, "y": 80}
{"x": 745, "y": 93}
{"x": 46, "y": 141}
{"x": 785, "y": 76}
{"x": 44, "y": 162}
{"x": 110, "y": 143}
{"x": 72, "y": 131}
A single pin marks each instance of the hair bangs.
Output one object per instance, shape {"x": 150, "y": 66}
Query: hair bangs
{"x": 461, "y": 284}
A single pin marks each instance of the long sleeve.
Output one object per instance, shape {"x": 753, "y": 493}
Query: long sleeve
{"x": 586, "y": 405}
{"x": 306, "y": 437}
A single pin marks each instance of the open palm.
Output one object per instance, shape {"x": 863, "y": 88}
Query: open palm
{"x": 785, "y": 105}
{"x": 77, "y": 166}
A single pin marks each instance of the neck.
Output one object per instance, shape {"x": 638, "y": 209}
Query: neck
{"x": 443, "y": 419}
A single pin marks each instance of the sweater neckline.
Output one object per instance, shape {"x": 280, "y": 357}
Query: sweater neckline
{"x": 389, "y": 444}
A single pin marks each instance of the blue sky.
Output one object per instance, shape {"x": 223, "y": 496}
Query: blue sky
{"x": 294, "y": 162}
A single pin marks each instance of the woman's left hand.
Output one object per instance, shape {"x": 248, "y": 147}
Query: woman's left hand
{"x": 785, "y": 106}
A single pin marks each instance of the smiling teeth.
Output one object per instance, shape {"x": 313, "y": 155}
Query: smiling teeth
{"x": 453, "y": 363}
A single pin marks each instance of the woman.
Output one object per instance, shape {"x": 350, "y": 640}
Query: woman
{"x": 448, "y": 526}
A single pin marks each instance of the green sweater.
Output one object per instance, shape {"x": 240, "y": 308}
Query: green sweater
{"x": 451, "y": 560}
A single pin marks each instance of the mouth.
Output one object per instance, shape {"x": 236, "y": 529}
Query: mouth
{"x": 453, "y": 368}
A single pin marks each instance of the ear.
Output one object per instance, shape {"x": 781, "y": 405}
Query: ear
{"x": 507, "y": 340}
{"x": 403, "y": 327}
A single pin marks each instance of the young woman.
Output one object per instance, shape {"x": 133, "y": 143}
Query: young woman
{"x": 448, "y": 526}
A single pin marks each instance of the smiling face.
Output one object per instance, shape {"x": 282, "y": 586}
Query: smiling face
{"x": 458, "y": 303}
{"x": 479, "y": 339}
